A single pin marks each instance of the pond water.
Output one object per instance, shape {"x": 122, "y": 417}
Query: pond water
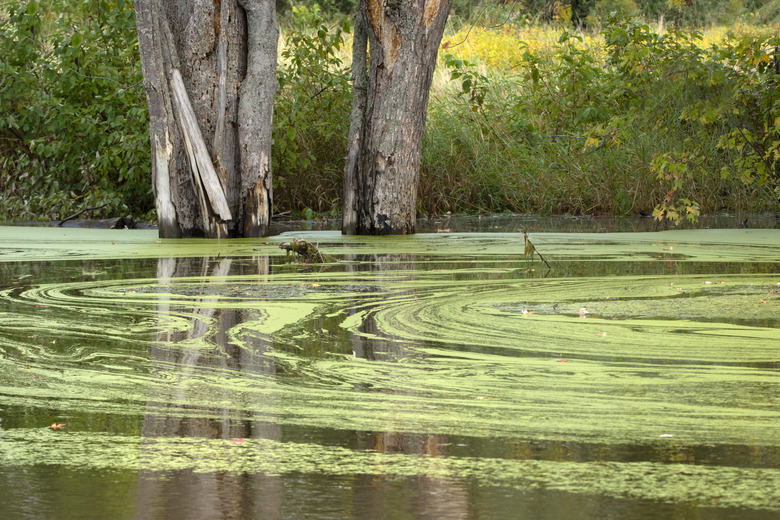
{"x": 441, "y": 375}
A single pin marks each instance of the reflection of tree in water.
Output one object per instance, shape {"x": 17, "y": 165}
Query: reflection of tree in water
{"x": 209, "y": 495}
{"x": 188, "y": 365}
{"x": 431, "y": 497}
{"x": 370, "y": 343}
{"x": 434, "y": 496}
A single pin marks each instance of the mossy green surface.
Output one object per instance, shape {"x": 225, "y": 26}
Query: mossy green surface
{"x": 20, "y": 243}
{"x": 666, "y": 389}
{"x": 715, "y": 486}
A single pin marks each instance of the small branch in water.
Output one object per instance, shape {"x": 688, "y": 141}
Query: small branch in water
{"x": 80, "y": 213}
{"x": 309, "y": 252}
{"x": 530, "y": 249}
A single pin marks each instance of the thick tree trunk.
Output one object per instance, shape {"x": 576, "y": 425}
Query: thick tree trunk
{"x": 194, "y": 55}
{"x": 256, "y": 111}
{"x": 403, "y": 38}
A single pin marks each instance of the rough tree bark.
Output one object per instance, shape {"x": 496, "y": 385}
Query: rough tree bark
{"x": 389, "y": 110}
{"x": 210, "y": 138}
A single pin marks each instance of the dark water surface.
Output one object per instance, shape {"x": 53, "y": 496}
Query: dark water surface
{"x": 442, "y": 375}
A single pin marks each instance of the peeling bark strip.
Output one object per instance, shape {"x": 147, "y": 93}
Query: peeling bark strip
{"x": 166, "y": 213}
{"x": 202, "y": 169}
{"x": 357, "y": 120}
{"x": 194, "y": 55}
{"x": 403, "y": 42}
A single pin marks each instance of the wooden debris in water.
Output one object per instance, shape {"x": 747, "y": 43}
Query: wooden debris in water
{"x": 530, "y": 249}
{"x": 309, "y": 252}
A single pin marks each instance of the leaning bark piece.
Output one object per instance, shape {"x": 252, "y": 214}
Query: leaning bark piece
{"x": 202, "y": 167}
{"x": 309, "y": 252}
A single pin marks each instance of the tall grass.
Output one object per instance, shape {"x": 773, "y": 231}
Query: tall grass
{"x": 574, "y": 136}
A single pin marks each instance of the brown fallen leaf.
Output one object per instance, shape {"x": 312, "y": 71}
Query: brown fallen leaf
{"x": 58, "y": 426}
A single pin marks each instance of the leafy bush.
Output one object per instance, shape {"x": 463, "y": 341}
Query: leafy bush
{"x": 635, "y": 120}
{"x": 311, "y": 118}
{"x": 721, "y": 104}
{"x": 73, "y": 120}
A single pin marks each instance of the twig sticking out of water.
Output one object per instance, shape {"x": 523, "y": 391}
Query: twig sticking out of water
{"x": 80, "y": 212}
{"x": 530, "y": 249}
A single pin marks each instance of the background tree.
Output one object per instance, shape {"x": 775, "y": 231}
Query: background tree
{"x": 210, "y": 77}
{"x": 390, "y": 101}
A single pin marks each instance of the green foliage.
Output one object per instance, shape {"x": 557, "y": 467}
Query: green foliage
{"x": 623, "y": 7}
{"x": 696, "y": 13}
{"x": 73, "y": 119}
{"x": 329, "y": 9}
{"x": 636, "y": 120}
{"x": 473, "y": 85}
{"x": 642, "y": 120}
{"x": 769, "y": 12}
{"x": 723, "y": 103}
{"x": 311, "y": 114}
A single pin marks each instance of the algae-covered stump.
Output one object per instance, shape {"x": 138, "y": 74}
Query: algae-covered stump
{"x": 309, "y": 252}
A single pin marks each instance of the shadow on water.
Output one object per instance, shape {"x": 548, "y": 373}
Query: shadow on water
{"x": 445, "y": 377}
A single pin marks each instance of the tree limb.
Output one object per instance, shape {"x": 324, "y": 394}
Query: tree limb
{"x": 75, "y": 215}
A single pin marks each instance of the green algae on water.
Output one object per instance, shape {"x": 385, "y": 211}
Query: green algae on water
{"x": 716, "y": 486}
{"x": 181, "y": 361}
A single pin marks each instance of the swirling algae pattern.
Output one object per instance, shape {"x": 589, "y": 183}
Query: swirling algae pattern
{"x": 447, "y": 335}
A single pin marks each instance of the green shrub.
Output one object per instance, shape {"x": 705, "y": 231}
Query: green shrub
{"x": 73, "y": 120}
{"x": 311, "y": 118}
{"x": 640, "y": 121}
